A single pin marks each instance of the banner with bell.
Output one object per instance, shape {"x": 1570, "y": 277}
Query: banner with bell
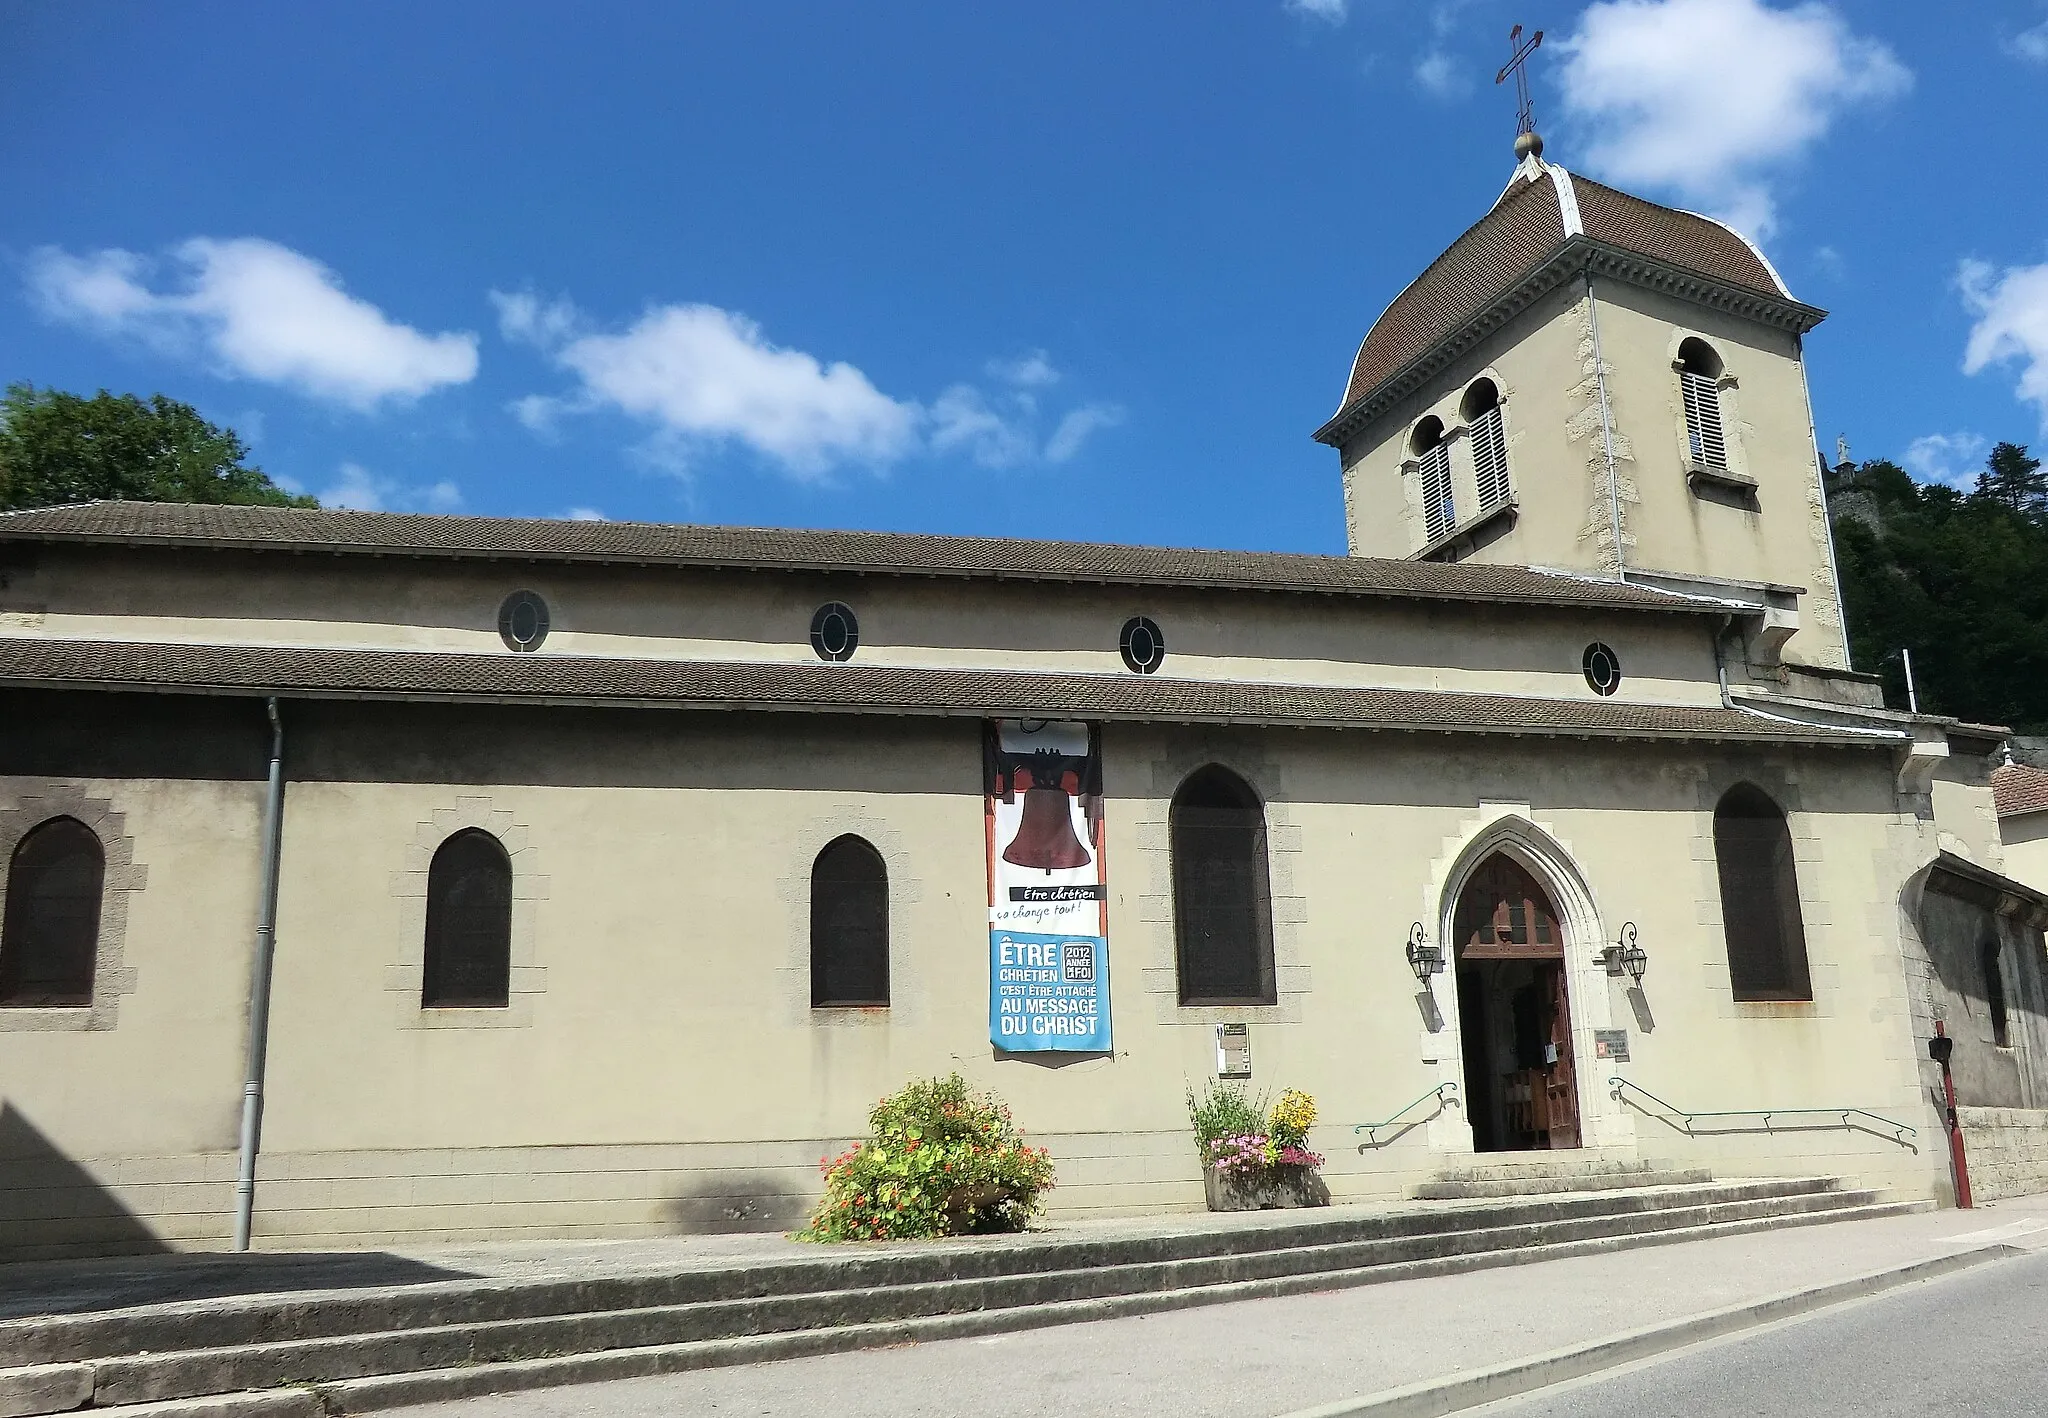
{"x": 1048, "y": 890}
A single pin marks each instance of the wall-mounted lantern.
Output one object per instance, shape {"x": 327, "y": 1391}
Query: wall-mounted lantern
{"x": 1625, "y": 956}
{"x": 1423, "y": 958}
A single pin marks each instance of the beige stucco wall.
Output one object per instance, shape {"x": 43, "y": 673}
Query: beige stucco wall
{"x": 1543, "y": 361}
{"x": 2025, "y": 842}
{"x": 1018, "y": 626}
{"x": 660, "y": 1066}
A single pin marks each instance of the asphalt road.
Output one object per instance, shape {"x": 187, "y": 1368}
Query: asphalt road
{"x": 1974, "y": 1345}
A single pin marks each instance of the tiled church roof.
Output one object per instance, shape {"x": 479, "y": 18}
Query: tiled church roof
{"x": 757, "y": 548}
{"x": 509, "y": 677}
{"x": 1543, "y": 210}
{"x": 2018, "y": 788}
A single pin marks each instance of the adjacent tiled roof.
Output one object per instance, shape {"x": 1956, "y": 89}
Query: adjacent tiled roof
{"x": 757, "y": 548}
{"x": 542, "y": 678}
{"x": 2017, "y": 788}
{"x": 1532, "y": 222}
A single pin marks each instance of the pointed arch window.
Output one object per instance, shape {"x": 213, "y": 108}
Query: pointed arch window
{"x": 849, "y": 925}
{"x": 1222, "y": 893}
{"x": 1699, "y": 383}
{"x": 1504, "y": 911}
{"x": 469, "y": 924}
{"x": 49, "y": 939}
{"x": 1760, "y": 898}
{"x": 1481, "y": 410}
{"x": 1433, "y": 467}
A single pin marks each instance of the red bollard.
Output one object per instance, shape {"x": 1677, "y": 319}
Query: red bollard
{"x": 1939, "y": 1048}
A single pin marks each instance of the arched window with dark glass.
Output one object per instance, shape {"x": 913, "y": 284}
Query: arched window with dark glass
{"x": 1222, "y": 897}
{"x": 1699, "y": 383}
{"x": 849, "y": 925}
{"x": 469, "y": 924}
{"x": 49, "y": 941}
{"x": 1994, "y": 996}
{"x": 1760, "y": 898}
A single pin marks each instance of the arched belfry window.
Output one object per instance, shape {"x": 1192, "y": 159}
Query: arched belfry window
{"x": 1994, "y": 996}
{"x": 1481, "y": 410}
{"x": 469, "y": 924}
{"x": 49, "y": 942}
{"x": 1433, "y": 466}
{"x": 1699, "y": 382}
{"x": 1222, "y": 895}
{"x": 1760, "y": 898}
{"x": 849, "y": 925}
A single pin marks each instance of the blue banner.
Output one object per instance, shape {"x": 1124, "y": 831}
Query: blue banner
{"x": 1048, "y": 992}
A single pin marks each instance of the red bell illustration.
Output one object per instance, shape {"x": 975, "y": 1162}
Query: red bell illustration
{"x": 1045, "y": 839}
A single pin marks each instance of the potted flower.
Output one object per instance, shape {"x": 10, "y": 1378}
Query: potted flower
{"x": 1256, "y": 1158}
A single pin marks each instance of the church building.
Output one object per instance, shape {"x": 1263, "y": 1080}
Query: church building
{"x": 374, "y": 877}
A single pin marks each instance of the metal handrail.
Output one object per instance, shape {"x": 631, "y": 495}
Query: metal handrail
{"x": 1900, "y": 1132}
{"x": 1443, "y": 1094}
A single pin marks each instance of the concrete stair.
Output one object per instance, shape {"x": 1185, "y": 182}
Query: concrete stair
{"x": 283, "y": 1355}
{"x": 1520, "y": 1174}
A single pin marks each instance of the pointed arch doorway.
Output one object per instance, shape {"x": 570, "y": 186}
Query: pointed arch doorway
{"x": 1514, "y": 1012}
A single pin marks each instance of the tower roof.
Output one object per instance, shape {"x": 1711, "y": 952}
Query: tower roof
{"x": 1549, "y": 222}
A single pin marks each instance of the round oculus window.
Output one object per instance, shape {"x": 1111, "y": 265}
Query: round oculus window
{"x": 835, "y": 633}
{"x": 1141, "y": 644}
{"x": 1603, "y": 669}
{"x": 523, "y": 620}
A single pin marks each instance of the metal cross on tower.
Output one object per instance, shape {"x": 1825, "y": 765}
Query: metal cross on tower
{"x": 1525, "y": 114}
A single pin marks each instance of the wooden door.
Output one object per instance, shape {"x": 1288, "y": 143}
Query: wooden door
{"x": 1561, "y": 1079}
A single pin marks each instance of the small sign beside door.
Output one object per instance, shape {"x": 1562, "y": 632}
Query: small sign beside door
{"x": 1233, "y": 1051}
{"x": 1611, "y": 1044}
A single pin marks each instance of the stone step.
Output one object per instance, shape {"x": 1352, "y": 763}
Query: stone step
{"x": 380, "y": 1392}
{"x": 268, "y": 1318}
{"x": 1501, "y": 1165}
{"x": 1468, "y": 1187}
{"x": 580, "y": 1344}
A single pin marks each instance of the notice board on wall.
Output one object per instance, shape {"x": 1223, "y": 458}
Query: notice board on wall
{"x": 1048, "y": 887}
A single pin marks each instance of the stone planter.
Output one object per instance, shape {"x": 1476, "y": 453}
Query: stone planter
{"x": 1267, "y": 1190}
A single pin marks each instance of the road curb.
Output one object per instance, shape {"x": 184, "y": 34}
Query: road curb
{"x": 1434, "y": 1397}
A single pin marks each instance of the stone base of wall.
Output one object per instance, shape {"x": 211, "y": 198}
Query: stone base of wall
{"x": 2007, "y": 1150}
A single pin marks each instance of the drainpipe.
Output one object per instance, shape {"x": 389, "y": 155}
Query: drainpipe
{"x": 1606, "y": 431}
{"x": 259, "y": 987}
{"x": 1721, "y": 664}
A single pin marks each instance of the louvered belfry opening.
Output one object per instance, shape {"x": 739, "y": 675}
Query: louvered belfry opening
{"x": 1760, "y": 898}
{"x": 1222, "y": 894}
{"x": 1439, "y": 511}
{"x": 49, "y": 941}
{"x": 849, "y": 925}
{"x": 1483, "y": 417}
{"x": 1699, "y": 380}
{"x": 469, "y": 924}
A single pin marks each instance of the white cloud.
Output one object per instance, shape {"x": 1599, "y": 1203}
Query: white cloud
{"x": 1439, "y": 75}
{"x": 584, "y": 514}
{"x": 962, "y": 421}
{"x": 254, "y": 310}
{"x": 2011, "y": 307}
{"x": 1333, "y": 11}
{"x": 1711, "y": 98}
{"x": 705, "y": 378}
{"x": 364, "y": 491}
{"x": 1076, "y": 427}
{"x": 1952, "y": 458}
{"x": 2031, "y": 44}
{"x": 1032, "y": 370}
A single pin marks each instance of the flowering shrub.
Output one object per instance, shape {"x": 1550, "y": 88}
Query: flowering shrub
{"x": 941, "y": 1160}
{"x": 1277, "y": 1139}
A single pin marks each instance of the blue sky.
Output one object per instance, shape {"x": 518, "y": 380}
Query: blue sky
{"x": 1063, "y": 270}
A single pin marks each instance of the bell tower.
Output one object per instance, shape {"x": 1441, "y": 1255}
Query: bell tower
{"x": 1589, "y": 381}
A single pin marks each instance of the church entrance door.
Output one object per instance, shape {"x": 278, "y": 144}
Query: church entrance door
{"x": 1514, "y": 1012}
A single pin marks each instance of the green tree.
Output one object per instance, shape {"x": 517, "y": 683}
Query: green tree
{"x": 57, "y": 448}
{"x": 1960, "y": 580}
{"x": 2014, "y": 480}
